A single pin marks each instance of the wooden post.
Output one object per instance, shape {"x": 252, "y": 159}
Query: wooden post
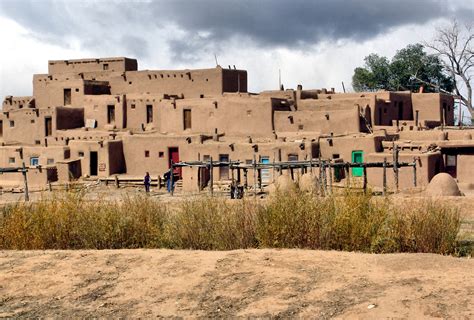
{"x": 330, "y": 176}
{"x": 246, "y": 180}
{"x": 50, "y": 187}
{"x": 254, "y": 176}
{"x": 25, "y": 178}
{"x": 311, "y": 166}
{"x": 320, "y": 179}
{"x": 159, "y": 182}
{"x": 395, "y": 166}
{"x": 117, "y": 183}
{"x": 172, "y": 178}
{"x": 414, "y": 171}
{"x": 364, "y": 168}
{"x": 259, "y": 178}
{"x": 211, "y": 178}
{"x": 384, "y": 182}
{"x": 347, "y": 171}
{"x": 238, "y": 175}
{"x": 292, "y": 174}
{"x": 325, "y": 186}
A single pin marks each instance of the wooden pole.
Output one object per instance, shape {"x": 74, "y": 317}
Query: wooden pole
{"x": 348, "y": 178}
{"x": 384, "y": 190}
{"x": 364, "y": 168}
{"x": 172, "y": 178}
{"x": 211, "y": 178}
{"x": 330, "y": 176}
{"x": 414, "y": 171}
{"x": 25, "y": 179}
{"x": 246, "y": 180}
{"x": 254, "y": 176}
{"x": 395, "y": 166}
{"x": 117, "y": 183}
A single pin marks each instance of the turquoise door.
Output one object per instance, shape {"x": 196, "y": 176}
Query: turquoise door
{"x": 357, "y": 157}
{"x": 265, "y": 172}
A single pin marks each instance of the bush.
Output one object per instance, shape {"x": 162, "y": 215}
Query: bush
{"x": 349, "y": 221}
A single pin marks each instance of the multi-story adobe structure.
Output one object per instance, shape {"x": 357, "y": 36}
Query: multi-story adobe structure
{"x": 98, "y": 118}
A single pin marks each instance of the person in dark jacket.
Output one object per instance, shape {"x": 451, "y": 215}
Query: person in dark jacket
{"x": 147, "y": 182}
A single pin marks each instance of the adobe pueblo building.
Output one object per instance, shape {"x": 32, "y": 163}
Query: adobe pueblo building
{"x": 101, "y": 118}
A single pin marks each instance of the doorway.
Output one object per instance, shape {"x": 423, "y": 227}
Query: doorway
{"x": 451, "y": 164}
{"x": 48, "y": 126}
{"x": 94, "y": 163}
{"x": 110, "y": 113}
{"x": 173, "y": 155}
{"x": 224, "y": 171}
{"x": 67, "y": 97}
{"x": 357, "y": 157}
{"x": 265, "y": 172}
{"x": 187, "y": 119}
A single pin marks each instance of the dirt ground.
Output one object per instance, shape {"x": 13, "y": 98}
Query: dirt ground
{"x": 247, "y": 283}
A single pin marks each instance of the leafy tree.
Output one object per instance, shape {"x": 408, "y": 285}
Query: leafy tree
{"x": 409, "y": 69}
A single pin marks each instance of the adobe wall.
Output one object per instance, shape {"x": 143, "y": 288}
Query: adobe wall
{"x": 335, "y": 121}
{"x": 150, "y": 153}
{"x": 427, "y": 167}
{"x": 136, "y": 111}
{"x": 430, "y": 108}
{"x": 27, "y": 126}
{"x": 11, "y": 103}
{"x": 96, "y": 108}
{"x": 47, "y": 156}
{"x": 465, "y": 166}
{"x": 231, "y": 114}
{"x": 49, "y": 90}
{"x": 120, "y": 64}
{"x": 82, "y": 149}
{"x": 342, "y": 147}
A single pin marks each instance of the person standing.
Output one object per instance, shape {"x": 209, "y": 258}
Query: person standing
{"x": 147, "y": 182}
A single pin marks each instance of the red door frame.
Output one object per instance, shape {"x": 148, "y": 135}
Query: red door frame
{"x": 173, "y": 154}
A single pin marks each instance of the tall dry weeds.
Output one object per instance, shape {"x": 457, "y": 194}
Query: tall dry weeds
{"x": 347, "y": 221}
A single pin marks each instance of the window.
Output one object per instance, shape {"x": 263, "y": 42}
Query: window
{"x": 50, "y": 161}
{"x": 161, "y": 154}
{"x": 67, "y": 97}
{"x": 357, "y": 157}
{"x": 37, "y": 142}
{"x": 105, "y": 66}
{"x": 133, "y": 106}
{"x": 11, "y": 160}
{"x": 336, "y": 156}
{"x": 147, "y": 153}
{"x": 12, "y": 123}
{"x": 48, "y": 126}
{"x": 149, "y": 113}
{"x": 32, "y": 121}
{"x": 292, "y": 157}
{"x": 187, "y": 119}
{"x": 110, "y": 114}
{"x": 77, "y": 89}
{"x": 80, "y": 154}
{"x": 34, "y": 161}
{"x": 1, "y": 128}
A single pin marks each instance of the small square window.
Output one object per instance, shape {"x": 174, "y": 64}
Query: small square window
{"x": 50, "y": 161}
{"x": 105, "y": 66}
{"x": 34, "y": 161}
{"x": 77, "y": 89}
{"x": 161, "y": 154}
{"x": 147, "y": 153}
{"x": 336, "y": 156}
{"x": 37, "y": 142}
{"x": 80, "y": 153}
{"x": 12, "y": 123}
{"x": 132, "y": 106}
{"x": 32, "y": 120}
{"x": 11, "y": 160}
{"x": 300, "y": 127}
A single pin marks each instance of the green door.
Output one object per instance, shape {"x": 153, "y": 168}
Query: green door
{"x": 357, "y": 157}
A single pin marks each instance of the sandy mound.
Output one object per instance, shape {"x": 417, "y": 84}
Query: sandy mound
{"x": 443, "y": 184}
{"x": 283, "y": 183}
{"x": 308, "y": 183}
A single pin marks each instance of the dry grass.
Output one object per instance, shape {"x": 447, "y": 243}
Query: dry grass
{"x": 349, "y": 221}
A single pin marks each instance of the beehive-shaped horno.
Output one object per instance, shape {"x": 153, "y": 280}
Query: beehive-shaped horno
{"x": 443, "y": 184}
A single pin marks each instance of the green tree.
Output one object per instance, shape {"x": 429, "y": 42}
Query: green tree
{"x": 409, "y": 69}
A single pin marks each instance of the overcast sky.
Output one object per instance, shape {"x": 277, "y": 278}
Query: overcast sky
{"x": 314, "y": 43}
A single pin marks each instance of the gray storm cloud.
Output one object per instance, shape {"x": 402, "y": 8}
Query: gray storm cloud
{"x": 101, "y": 25}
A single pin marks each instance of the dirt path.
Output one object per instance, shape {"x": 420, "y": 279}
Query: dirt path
{"x": 281, "y": 283}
